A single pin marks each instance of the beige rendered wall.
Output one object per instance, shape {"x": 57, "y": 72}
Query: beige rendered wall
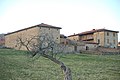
{"x": 111, "y": 40}
{"x": 106, "y": 40}
{"x": 86, "y": 37}
{"x": 99, "y": 36}
{"x": 75, "y": 37}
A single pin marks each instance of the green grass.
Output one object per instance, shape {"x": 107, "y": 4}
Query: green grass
{"x": 17, "y": 65}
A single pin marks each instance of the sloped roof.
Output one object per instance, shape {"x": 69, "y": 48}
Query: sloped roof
{"x": 62, "y": 36}
{"x": 93, "y": 31}
{"x": 48, "y": 26}
{"x": 96, "y": 30}
{"x": 39, "y": 25}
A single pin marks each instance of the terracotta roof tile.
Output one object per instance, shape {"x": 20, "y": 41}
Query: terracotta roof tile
{"x": 93, "y": 31}
{"x": 48, "y": 26}
{"x": 96, "y": 30}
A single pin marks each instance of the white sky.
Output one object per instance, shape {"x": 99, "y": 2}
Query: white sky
{"x": 74, "y": 16}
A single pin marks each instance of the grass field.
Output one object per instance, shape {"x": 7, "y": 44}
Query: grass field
{"x": 17, "y": 65}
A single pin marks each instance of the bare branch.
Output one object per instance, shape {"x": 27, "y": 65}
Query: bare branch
{"x": 46, "y": 46}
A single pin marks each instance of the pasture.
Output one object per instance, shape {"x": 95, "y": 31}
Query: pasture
{"x": 18, "y": 65}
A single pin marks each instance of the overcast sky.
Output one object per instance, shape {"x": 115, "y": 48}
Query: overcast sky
{"x": 74, "y": 16}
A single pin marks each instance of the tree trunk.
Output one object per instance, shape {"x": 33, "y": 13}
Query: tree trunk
{"x": 66, "y": 70}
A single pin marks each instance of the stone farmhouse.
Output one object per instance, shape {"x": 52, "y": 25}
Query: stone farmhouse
{"x": 101, "y": 37}
{"x": 78, "y": 46}
{"x": 88, "y": 40}
{"x": 37, "y": 30}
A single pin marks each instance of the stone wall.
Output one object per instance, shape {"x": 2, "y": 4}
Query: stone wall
{"x": 69, "y": 49}
{"x": 79, "y": 48}
{"x": 27, "y": 34}
{"x": 52, "y": 31}
{"x": 74, "y": 37}
{"x": 11, "y": 39}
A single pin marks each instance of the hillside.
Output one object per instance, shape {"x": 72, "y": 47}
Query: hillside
{"x": 17, "y": 65}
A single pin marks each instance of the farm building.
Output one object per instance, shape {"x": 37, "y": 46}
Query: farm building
{"x": 27, "y": 33}
{"x": 104, "y": 37}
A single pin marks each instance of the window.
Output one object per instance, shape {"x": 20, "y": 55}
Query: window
{"x": 107, "y": 33}
{"x": 114, "y": 34}
{"x": 108, "y": 41}
{"x": 87, "y": 48}
{"x": 98, "y": 40}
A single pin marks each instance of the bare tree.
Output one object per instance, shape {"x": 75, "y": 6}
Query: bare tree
{"x": 46, "y": 46}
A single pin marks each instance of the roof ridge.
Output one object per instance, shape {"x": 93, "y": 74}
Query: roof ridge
{"x": 39, "y": 25}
